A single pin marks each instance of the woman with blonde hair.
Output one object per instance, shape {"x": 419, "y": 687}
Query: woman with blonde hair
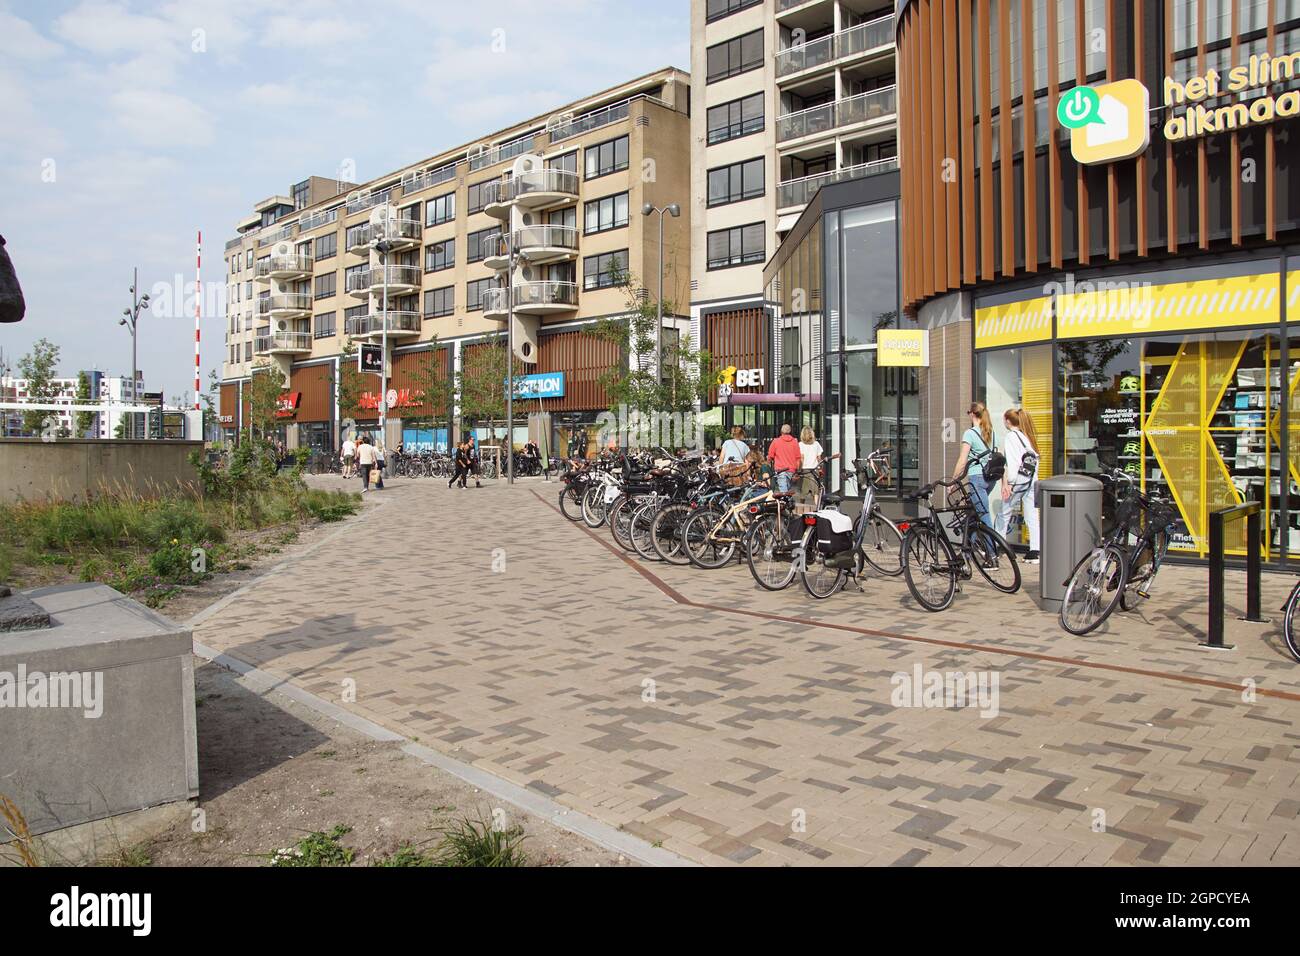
{"x": 976, "y": 449}
{"x": 1020, "y": 480}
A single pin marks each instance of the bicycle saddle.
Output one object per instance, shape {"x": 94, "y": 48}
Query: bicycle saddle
{"x": 830, "y": 501}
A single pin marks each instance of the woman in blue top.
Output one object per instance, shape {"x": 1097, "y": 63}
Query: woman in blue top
{"x": 734, "y": 449}
{"x": 976, "y": 447}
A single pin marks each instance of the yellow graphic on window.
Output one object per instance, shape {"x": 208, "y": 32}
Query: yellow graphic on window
{"x": 1014, "y": 323}
{"x": 1133, "y": 307}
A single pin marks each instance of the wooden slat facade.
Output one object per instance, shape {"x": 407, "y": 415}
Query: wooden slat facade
{"x": 738, "y": 338}
{"x": 426, "y": 374}
{"x": 985, "y": 222}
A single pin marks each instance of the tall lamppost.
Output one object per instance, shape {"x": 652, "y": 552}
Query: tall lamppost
{"x": 673, "y": 210}
{"x": 383, "y": 245}
{"x": 131, "y": 319}
{"x": 509, "y": 238}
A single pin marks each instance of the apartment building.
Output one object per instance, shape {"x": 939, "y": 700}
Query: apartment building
{"x": 564, "y": 191}
{"x": 103, "y": 389}
{"x": 789, "y": 95}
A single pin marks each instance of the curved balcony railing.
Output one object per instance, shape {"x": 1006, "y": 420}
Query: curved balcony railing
{"x": 545, "y": 296}
{"x": 399, "y": 231}
{"x": 835, "y": 46}
{"x": 873, "y": 104}
{"x": 363, "y": 282}
{"x": 285, "y": 302}
{"x": 545, "y": 183}
{"x": 798, "y": 192}
{"x": 277, "y": 266}
{"x": 544, "y": 238}
{"x": 282, "y": 342}
{"x": 399, "y": 323}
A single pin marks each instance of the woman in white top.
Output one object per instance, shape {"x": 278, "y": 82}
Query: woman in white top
{"x": 811, "y": 455}
{"x": 1020, "y": 480}
{"x": 735, "y": 449}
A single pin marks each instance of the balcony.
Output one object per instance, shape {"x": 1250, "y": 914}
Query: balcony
{"x": 400, "y": 325}
{"x": 402, "y": 280}
{"x": 496, "y": 198}
{"x": 283, "y": 343}
{"x": 783, "y": 5}
{"x": 850, "y": 111}
{"x": 284, "y": 267}
{"x": 547, "y": 243}
{"x": 533, "y": 298}
{"x": 494, "y": 253}
{"x": 594, "y": 120}
{"x": 799, "y": 192}
{"x": 403, "y": 233}
{"x": 836, "y": 47}
{"x": 544, "y": 188}
{"x": 289, "y": 305}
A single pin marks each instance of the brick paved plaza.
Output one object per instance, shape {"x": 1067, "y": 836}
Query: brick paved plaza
{"x": 743, "y": 727}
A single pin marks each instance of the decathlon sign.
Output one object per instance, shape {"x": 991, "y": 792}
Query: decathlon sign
{"x": 542, "y": 385}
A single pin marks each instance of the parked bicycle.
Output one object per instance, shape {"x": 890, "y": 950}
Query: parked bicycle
{"x": 1123, "y": 566}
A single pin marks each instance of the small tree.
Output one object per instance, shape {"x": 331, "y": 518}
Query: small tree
{"x": 481, "y": 381}
{"x": 265, "y": 386}
{"x": 209, "y": 400}
{"x": 433, "y": 387}
{"x": 85, "y": 420}
{"x": 38, "y": 367}
{"x": 351, "y": 383}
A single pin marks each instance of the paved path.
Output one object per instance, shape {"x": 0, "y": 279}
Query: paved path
{"x": 743, "y": 727}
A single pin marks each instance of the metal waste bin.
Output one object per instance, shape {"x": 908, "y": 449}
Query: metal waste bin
{"x": 1069, "y": 509}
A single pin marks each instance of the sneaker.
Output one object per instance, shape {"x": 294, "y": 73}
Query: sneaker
{"x": 1031, "y": 557}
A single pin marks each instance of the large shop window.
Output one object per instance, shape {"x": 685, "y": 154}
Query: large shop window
{"x": 871, "y": 287}
{"x": 881, "y": 407}
{"x": 1196, "y": 419}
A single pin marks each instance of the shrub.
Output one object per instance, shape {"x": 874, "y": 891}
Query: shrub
{"x": 316, "y": 849}
{"x": 478, "y": 843}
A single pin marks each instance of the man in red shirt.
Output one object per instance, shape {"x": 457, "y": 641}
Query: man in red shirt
{"x": 784, "y": 455}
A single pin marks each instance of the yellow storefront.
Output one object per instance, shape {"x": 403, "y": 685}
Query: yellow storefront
{"x": 1182, "y": 377}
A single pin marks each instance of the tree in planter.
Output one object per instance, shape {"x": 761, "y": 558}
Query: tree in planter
{"x": 687, "y": 371}
{"x": 38, "y": 367}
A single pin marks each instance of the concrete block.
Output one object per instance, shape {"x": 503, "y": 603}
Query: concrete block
{"x": 122, "y": 737}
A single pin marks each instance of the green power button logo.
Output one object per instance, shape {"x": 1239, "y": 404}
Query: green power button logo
{"x": 1079, "y": 107}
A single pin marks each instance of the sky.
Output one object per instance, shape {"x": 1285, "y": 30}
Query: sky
{"x": 127, "y": 127}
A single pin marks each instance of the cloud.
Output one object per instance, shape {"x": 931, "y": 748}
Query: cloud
{"x": 20, "y": 40}
{"x": 156, "y": 118}
{"x": 305, "y": 33}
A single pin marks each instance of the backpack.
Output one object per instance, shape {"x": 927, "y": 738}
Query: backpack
{"x": 1028, "y": 462}
{"x": 994, "y": 465}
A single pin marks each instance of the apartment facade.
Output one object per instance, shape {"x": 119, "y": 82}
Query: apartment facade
{"x": 789, "y": 96}
{"x": 563, "y": 191}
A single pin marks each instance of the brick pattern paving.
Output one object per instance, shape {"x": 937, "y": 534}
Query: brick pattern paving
{"x": 690, "y": 709}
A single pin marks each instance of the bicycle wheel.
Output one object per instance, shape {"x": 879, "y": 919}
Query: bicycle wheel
{"x": 642, "y": 533}
{"x": 820, "y": 580}
{"x": 771, "y": 553}
{"x": 620, "y": 521}
{"x": 1094, "y": 589}
{"x": 1140, "y": 572}
{"x": 571, "y": 503}
{"x": 1288, "y": 625}
{"x": 595, "y": 510}
{"x": 930, "y": 568}
{"x": 702, "y": 547}
{"x": 666, "y": 531}
{"x": 991, "y": 554}
{"x": 882, "y": 545}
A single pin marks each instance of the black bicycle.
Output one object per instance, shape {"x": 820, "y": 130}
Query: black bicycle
{"x": 1288, "y": 622}
{"x": 941, "y": 549}
{"x": 1121, "y": 569}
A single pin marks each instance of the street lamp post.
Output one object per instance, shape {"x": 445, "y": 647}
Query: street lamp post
{"x": 510, "y": 356}
{"x": 673, "y": 210}
{"x": 131, "y": 319}
{"x": 383, "y": 245}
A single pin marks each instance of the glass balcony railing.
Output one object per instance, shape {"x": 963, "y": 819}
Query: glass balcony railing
{"x": 285, "y": 302}
{"x": 835, "y": 46}
{"x": 282, "y": 342}
{"x": 873, "y": 104}
{"x": 799, "y": 192}
{"x": 373, "y": 324}
{"x": 284, "y": 265}
{"x": 428, "y": 178}
{"x": 546, "y": 237}
{"x": 501, "y": 153}
{"x": 368, "y": 201}
{"x": 367, "y": 279}
{"x": 543, "y": 181}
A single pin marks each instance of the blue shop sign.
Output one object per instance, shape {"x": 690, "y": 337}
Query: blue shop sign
{"x": 543, "y": 385}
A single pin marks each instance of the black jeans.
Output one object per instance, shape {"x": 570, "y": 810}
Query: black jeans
{"x": 365, "y": 475}
{"x": 460, "y": 474}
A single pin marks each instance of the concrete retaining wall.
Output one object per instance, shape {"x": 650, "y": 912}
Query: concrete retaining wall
{"x": 72, "y": 469}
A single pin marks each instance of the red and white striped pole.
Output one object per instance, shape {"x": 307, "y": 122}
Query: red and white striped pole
{"x": 198, "y": 301}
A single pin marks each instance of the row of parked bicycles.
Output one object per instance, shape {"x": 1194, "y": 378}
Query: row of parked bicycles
{"x": 684, "y": 510}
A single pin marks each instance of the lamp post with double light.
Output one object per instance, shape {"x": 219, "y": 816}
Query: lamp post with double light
{"x": 674, "y": 210}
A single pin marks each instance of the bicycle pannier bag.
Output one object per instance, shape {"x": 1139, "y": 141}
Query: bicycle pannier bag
{"x": 834, "y": 533}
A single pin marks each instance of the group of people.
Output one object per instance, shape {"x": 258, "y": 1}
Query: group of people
{"x": 365, "y": 458}
{"x": 786, "y": 457}
{"x": 465, "y": 460}
{"x": 1015, "y": 480}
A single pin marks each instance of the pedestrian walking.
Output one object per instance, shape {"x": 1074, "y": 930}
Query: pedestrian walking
{"x": 366, "y": 459}
{"x": 349, "y": 457}
{"x": 811, "y": 458}
{"x": 785, "y": 457}
{"x": 461, "y": 462}
{"x": 978, "y": 450}
{"x": 380, "y": 464}
{"x": 1020, "y": 480}
{"x": 735, "y": 448}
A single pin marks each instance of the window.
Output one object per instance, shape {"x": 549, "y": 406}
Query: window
{"x": 323, "y": 325}
{"x": 440, "y": 301}
{"x": 478, "y": 245}
{"x": 740, "y": 246}
{"x": 717, "y": 9}
{"x": 248, "y": 290}
{"x": 439, "y": 256}
{"x": 474, "y": 292}
{"x": 249, "y": 263}
{"x": 605, "y": 158}
{"x": 326, "y": 285}
{"x": 440, "y": 210}
{"x": 357, "y": 235}
{"x": 478, "y": 194}
{"x": 734, "y": 56}
{"x": 605, "y": 270}
{"x": 600, "y": 215}
{"x": 248, "y": 351}
{"x": 300, "y": 194}
{"x": 737, "y": 182}
{"x": 735, "y": 119}
{"x": 327, "y": 245}
{"x": 569, "y": 162}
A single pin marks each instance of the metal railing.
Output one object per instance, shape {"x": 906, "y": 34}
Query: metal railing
{"x": 1251, "y": 512}
{"x": 373, "y": 324}
{"x": 284, "y": 232}
{"x": 799, "y": 192}
{"x": 784, "y": 5}
{"x": 835, "y": 46}
{"x": 319, "y": 218}
{"x": 546, "y": 293}
{"x": 283, "y": 342}
{"x": 408, "y": 230}
{"x": 368, "y": 279}
{"x": 283, "y": 302}
{"x": 547, "y": 180}
{"x": 874, "y": 104}
{"x": 501, "y": 153}
{"x": 368, "y": 200}
{"x": 293, "y": 264}
{"x": 430, "y": 177}
{"x": 546, "y": 237}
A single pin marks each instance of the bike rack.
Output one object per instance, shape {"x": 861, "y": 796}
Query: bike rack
{"x": 1251, "y": 512}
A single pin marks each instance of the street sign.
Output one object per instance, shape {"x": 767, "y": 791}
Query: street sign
{"x": 371, "y": 359}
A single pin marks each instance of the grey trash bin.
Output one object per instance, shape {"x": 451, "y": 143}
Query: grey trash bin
{"x": 1069, "y": 509}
